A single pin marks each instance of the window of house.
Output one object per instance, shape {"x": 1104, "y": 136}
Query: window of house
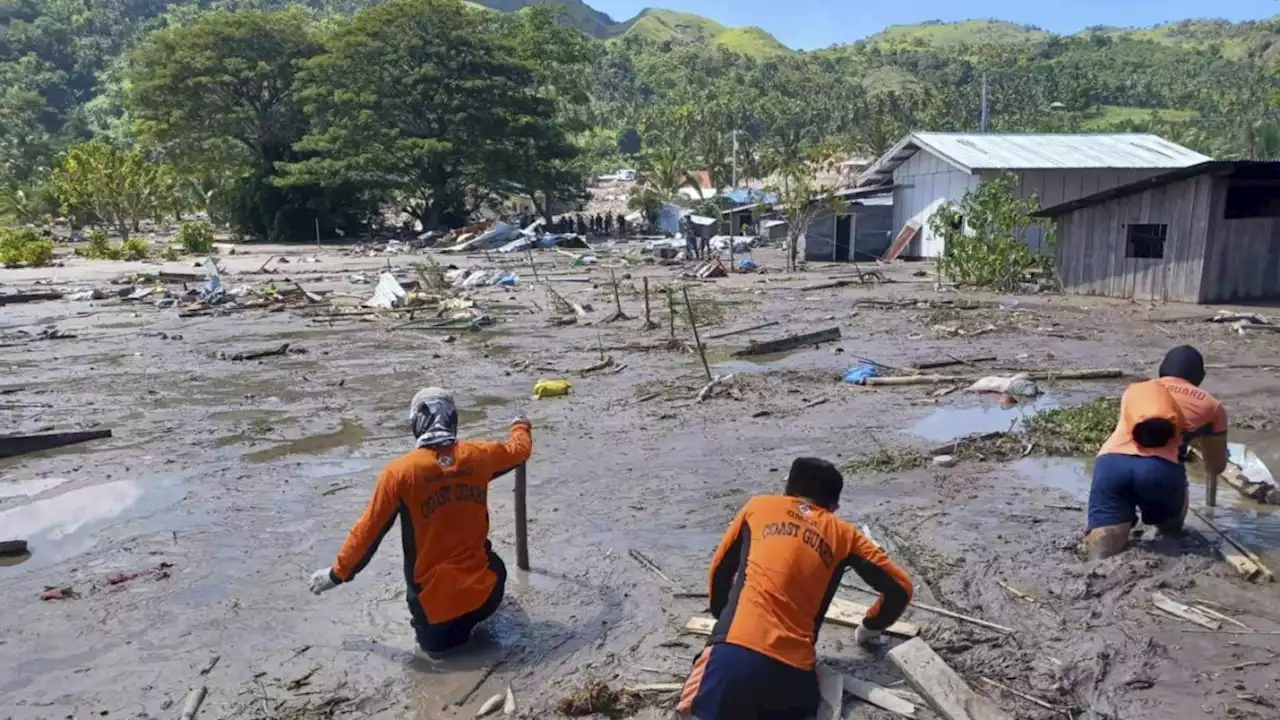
{"x": 1145, "y": 241}
{"x": 1252, "y": 200}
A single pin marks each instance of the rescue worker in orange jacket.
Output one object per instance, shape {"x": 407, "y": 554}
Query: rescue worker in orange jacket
{"x": 439, "y": 492}
{"x": 1140, "y": 467}
{"x": 772, "y": 578}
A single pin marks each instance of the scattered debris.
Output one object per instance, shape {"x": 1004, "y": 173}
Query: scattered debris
{"x": 160, "y": 572}
{"x": 1020, "y": 385}
{"x": 944, "y": 461}
{"x": 59, "y": 593}
{"x": 259, "y": 354}
{"x": 860, "y": 373}
{"x": 1244, "y": 560}
{"x": 717, "y": 382}
{"x": 388, "y": 294}
{"x": 303, "y": 679}
{"x": 1029, "y": 698}
{"x": 879, "y": 696}
{"x": 597, "y": 698}
{"x": 650, "y": 565}
{"x": 509, "y": 703}
{"x": 490, "y": 706}
{"x": 1185, "y": 612}
{"x": 209, "y": 666}
{"x": 944, "y": 690}
{"x": 12, "y": 445}
{"x": 790, "y": 343}
{"x": 191, "y": 705}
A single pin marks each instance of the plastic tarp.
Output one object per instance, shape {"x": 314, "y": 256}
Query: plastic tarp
{"x": 518, "y": 245}
{"x": 746, "y": 196}
{"x": 669, "y": 218}
{"x": 497, "y": 236}
{"x": 741, "y": 243}
{"x": 702, "y": 220}
{"x": 388, "y": 293}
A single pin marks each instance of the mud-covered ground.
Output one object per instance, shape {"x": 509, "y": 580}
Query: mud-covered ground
{"x": 227, "y": 483}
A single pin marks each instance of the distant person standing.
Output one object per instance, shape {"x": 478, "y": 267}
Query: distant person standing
{"x": 622, "y": 226}
{"x": 608, "y": 223}
{"x": 1141, "y": 467}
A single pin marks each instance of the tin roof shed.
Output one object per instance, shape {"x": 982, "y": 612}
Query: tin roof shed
{"x": 972, "y": 152}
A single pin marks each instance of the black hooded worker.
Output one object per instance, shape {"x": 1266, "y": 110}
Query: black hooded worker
{"x": 772, "y": 578}
{"x": 440, "y": 492}
{"x": 1141, "y": 466}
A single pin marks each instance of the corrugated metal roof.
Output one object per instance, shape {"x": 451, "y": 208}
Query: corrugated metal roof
{"x": 978, "y": 151}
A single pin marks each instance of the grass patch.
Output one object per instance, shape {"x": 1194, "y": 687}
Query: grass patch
{"x": 886, "y": 461}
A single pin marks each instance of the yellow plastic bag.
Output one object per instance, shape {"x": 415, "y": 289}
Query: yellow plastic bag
{"x": 552, "y": 388}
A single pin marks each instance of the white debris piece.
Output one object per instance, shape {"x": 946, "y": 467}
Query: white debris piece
{"x": 1019, "y": 385}
{"x": 388, "y": 293}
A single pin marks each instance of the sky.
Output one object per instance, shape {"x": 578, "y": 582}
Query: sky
{"x": 810, "y": 24}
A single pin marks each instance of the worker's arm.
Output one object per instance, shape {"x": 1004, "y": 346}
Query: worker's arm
{"x": 726, "y": 561}
{"x": 503, "y": 457}
{"x": 877, "y": 570}
{"x": 364, "y": 538}
{"x": 1211, "y": 441}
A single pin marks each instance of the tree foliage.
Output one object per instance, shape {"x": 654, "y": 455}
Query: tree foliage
{"x": 983, "y": 237}
{"x": 97, "y": 183}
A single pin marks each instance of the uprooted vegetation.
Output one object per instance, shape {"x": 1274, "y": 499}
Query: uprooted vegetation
{"x": 597, "y": 698}
{"x": 1064, "y": 432}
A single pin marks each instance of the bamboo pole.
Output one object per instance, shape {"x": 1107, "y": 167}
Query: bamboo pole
{"x": 702, "y": 353}
{"x": 522, "y": 520}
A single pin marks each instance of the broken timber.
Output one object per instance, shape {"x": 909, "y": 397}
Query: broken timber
{"x": 1184, "y": 612}
{"x": 790, "y": 343}
{"x": 12, "y": 445}
{"x": 840, "y": 612}
{"x": 878, "y": 696}
{"x": 16, "y": 298}
{"x": 944, "y": 690}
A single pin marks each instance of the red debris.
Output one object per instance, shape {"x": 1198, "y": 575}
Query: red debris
{"x": 58, "y": 593}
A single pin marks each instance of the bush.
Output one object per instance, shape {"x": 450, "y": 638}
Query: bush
{"x": 135, "y": 248}
{"x": 24, "y": 247}
{"x": 196, "y": 237}
{"x": 983, "y": 237}
{"x": 99, "y": 247}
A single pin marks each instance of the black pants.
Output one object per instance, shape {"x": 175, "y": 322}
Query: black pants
{"x": 439, "y": 637}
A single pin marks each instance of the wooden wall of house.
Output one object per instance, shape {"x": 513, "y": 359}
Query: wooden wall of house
{"x": 1092, "y": 242}
{"x": 1242, "y": 261}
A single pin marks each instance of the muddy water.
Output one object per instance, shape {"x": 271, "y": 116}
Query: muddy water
{"x": 952, "y": 422}
{"x": 350, "y": 435}
{"x": 71, "y": 523}
{"x": 29, "y": 488}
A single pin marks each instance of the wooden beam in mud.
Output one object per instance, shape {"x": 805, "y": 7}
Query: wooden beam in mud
{"x": 1244, "y": 560}
{"x": 13, "y": 445}
{"x": 841, "y": 612}
{"x": 878, "y": 696}
{"x": 944, "y": 690}
{"x": 15, "y": 298}
{"x": 790, "y": 343}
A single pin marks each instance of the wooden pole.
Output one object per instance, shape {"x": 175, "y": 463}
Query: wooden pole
{"x": 671, "y": 306}
{"x": 647, "y": 322}
{"x": 1211, "y": 490}
{"x": 528, "y": 252}
{"x": 617, "y": 299}
{"x": 697, "y": 341}
{"x": 522, "y": 520}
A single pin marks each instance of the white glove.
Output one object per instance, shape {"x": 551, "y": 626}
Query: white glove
{"x": 322, "y": 580}
{"x": 521, "y": 418}
{"x": 867, "y": 638}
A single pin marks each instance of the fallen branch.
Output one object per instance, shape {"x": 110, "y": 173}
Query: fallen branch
{"x": 790, "y": 343}
{"x": 258, "y": 354}
{"x": 731, "y": 333}
{"x": 944, "y": 612}
{"x": 933, "y": 365}
{"x": 1018, "y": 693}
{"x": 650, "y": 565}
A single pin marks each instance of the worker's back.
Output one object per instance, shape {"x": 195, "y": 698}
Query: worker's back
{"x": 775, "y": 577}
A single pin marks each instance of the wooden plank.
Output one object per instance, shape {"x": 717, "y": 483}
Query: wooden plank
{"x": 940, "y": 686}
{"x": 790, "y": 343}
{"x": 878, "y": 696}
{"x": 12, "y": 445}
{"x": 900, "y": 243}
{"x": 15, "y": 298}
{"x": 841, "y": 612}
{"x": 831, "y": 688}
{"x": 1185, "y": 612}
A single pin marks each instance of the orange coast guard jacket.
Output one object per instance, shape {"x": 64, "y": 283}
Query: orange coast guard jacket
{"x": 1194, "y": 411}
{"x": 777, "y": 569}
{"x": 441, "y": 497}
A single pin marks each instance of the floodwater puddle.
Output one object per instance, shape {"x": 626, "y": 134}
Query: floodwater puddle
{"x": 1256, "y": 526}
{"x": 70, "y": 523}
{"x": 350, "y": 435}
{"x": 30, "y": 487}
{"x": 952, "y": 422}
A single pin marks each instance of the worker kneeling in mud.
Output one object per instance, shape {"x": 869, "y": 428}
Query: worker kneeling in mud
{"x": 772, "y": 578}
{"x": 1141, "y": 466}
{"x": 440, "y": 493}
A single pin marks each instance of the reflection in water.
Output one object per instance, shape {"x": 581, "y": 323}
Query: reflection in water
{"x": 950, "y": 423}
{"x": 65, "y": 525}
{"x": 29, "y": 488}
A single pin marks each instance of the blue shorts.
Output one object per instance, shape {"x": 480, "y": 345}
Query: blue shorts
{"x": 1124, "y": 484}
{"x": 730, "y": 682}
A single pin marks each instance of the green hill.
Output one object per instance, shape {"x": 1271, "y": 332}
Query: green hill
{"x": 1234, "y": 41}
{"x": 573, "y": 12}
{"x": 940, "y": 35}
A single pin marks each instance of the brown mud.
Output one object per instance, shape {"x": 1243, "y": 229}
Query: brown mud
{"x": 226, "y": 484}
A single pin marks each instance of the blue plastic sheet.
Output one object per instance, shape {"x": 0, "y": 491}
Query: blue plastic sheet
{"x": 858, "y": 374}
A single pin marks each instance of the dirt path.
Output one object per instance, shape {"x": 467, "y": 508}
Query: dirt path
{"x": 227, "y": 483}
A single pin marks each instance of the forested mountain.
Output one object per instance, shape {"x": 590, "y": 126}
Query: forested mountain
{"x": 667, "y": 90}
